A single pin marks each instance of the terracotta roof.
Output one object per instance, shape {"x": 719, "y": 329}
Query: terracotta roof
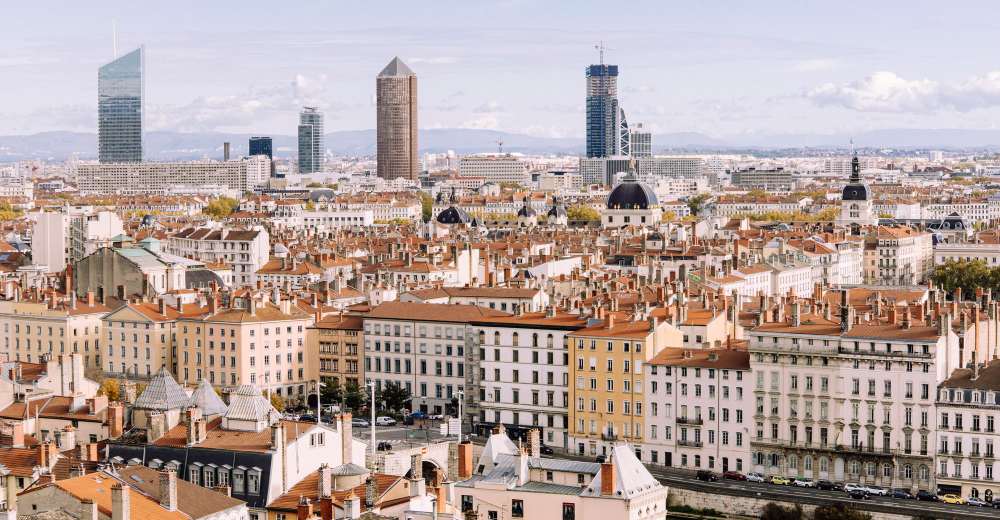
{"x": 338, "y": 322}
{"x": 703, "y": 358}
{"x": 196, "y": 501}
{"x": 433, "y": 312}
{"x": 97, "y": 487}
{"x": 20, "y": 461}
{"x": 308, "y": 487}
{"x": 218, "y": 438}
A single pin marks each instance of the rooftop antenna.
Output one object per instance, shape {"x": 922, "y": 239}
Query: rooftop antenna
{"x": 114, "y": 38}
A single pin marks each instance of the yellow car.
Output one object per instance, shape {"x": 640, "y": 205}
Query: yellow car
{"x": 952, "y": 499}
{"x": 779, "y": 480}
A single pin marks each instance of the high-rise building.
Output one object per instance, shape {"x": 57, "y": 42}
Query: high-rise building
{"x": 603, "y": 112}
{"x": 262, "y": 145}
{"x": 641, "y": 142}
{"x": 120, "y": 99}
{"x": 311, "y": 142}
{"x": 396, "y": 126}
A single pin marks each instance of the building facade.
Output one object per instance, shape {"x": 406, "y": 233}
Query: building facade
{"x": 602, "y": 111}
{"x": 121, "y": 92}
{"x": 396, "y": 125}
{"x": 312, "y": 147}
{"x": 174, "y": 178}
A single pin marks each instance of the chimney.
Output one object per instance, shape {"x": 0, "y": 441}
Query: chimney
{"x": 305, "y": 509}
{"x": 607, "y": 479}
{"x": 906, "y": 316}
{"x": 464, "y": 459}
{"x": 16, "y": 434}
{"x": 67, "y": 441}
{"x": 47, "y": 454}
{"x": 116, "y": 420}
{"x": 352, "y": 507}
{"x": 161, "y": 306}
{"x": 90, "y": 298}
{"x": 845, "y": 312}
{"x": 168, "y": 490}
{"x": 88, "y": 452}
{"x": 326, "y": 508}
{"x": 796, "y": 316}
{"x": 346, "y": 439}
{"x": 534, "y": 443}
{"x": 213, "y": 304}
{"x": 196, "y": 430}
{"x": 371, "y": 492}
{"x": 88, "y": 509}
{"x": 325, "y": 481}
{"x": 121, "y": 501}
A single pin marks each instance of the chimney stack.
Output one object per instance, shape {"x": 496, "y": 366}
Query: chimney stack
{"x": 464, "y": 460}
{"x": 305, "y": 509}
{"x": 168, "y": 490}
{"x": 121, "y": 501}
{"x": 607, "y": 479}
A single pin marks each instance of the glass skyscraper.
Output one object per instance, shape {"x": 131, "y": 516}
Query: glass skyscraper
{"x": 120, "y": 108}
{"x": 262, "y": 145}
{"x": 311, "y": 142}
{"x": 602, "y": 111}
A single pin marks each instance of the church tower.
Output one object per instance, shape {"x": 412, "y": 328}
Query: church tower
{"x": 856, "y": 203}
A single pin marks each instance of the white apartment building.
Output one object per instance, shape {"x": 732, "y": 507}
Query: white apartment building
{"x": 61, "y": 238}
{"x": 967, "y": 438}
{"x": 700, "y": 409}
{"x": 898, "y": 256}
{"x": 429, "y": 350}
{"x": 849, "y": 404}
{"x": 90, "y": 232}
{"x": 494, "y": 168}
{"x": 326, "y": 220}
{"x": 976, "y": 211}
{"x": 246, "y": 250}
{"x": 988, "y": 253}
{"x": 524, "y": 373}
{"x": 174, "y": 178}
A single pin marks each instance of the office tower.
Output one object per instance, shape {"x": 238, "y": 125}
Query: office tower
{"x": 624, "y": 135}
{"x": 261, "y": 145}
{"x": 225, "y": 151}
{"x": 311, "y": 146}
{"x": 396, "y": 96}
{"x": 120, "y": 98}
{"x": 603, "y": 112}
{"x": 641, "y": 142}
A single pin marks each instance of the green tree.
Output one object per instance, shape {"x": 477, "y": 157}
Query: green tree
{"x": 314, "y": 184}
{"x": 839, "y": 512}
{"x": 354, "y": 396}
{"x": 427, "y": 206}
{"x": 331, "y": 391}
{"x": 582, "y": 212}
{"x": 393, "y": 396}
{"x": 697, "y": 203}
{"x": 966, "y": 275}
{"x": 773, "y": 511}
{"x": 7, "y": 212}
{"x": 221, "y": 207}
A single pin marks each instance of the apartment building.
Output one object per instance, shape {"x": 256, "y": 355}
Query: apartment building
{"x": 428, "y": 349}
{"x": 898, "y": 256}
{"x": 608, "y": 359}
{"x": 246, "y": 250}
{"x": 141, "y": 337}
{"x": 494, "y": 168}
{"x": 848, "y": 401}
{"x": 524, "y": 373}
{"x": 700, "y": 409}
{"x": 968, "y": 403}
{"x": 507, "y": 299}
{"x": 59, "y": 238}
{"x": 231, "y": 178}
{"x": 251, "y": 342}
{"x": 34, "y": 328}
{"x": 333, "y": 350}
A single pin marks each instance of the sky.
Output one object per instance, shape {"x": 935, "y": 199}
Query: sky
{"x": 720, "y": 68}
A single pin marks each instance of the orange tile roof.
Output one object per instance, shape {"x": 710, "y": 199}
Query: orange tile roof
{"x": 308, "y": 487}
{"x": 97, "y": 487}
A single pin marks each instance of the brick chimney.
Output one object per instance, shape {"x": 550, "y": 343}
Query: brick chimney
{"x": 116, "y": 420}
{"x": 464, "y": 459}
{"x": 325, "y": 482}
{"x": 168, "y": 490}
{"x": 534, "y": 443}
{"x": 121, "y": 501}
{"x": 305, "y": 509}
{"x": 607, "y": 479}
{"x": 346, "y": 438}
{"x": 326, "y": 508}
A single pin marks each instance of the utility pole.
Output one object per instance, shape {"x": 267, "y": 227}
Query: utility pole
{"x": 461, "y": 397}
{"x": 371, "y": 384}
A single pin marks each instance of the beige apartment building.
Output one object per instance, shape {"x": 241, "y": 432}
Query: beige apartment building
{"x": 141, "y": 337}
{"x": 333, "y": 354}
{"x": 33, "y": 328}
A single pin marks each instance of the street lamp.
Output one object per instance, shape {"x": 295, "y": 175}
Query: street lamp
{"x": 461, "y": 397}
{"x": 371, "y": 384}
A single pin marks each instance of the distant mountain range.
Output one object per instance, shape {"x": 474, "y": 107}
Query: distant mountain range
{"x": 161, "y": 146}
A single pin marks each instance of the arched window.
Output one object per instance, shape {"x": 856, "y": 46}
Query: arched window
{"x": 807, "y": 463}
{"x": 824, "y": 465}
{"x": 793, "y": 462}
{"x": 774, "y": 460}
{"x": 870, "y": 469}
{"x": 482, "y": 337}
{"x": 855, "y": 467}
{"x": 974, "y": 492}
{"x": 887, "y": 470}
{"x": 908, "y": 471}
{"x": 496, "y": 338}
{"x": 514, "y": 339}
{"x": 534, "y": 339}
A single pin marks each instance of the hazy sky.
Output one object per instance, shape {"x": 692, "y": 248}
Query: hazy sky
{"x": 720, "y": 68}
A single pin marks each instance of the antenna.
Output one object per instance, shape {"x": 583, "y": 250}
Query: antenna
{"x": 500, "y": 145}
{"x": 114, "y": 38}
{"x": 600, "y": 51}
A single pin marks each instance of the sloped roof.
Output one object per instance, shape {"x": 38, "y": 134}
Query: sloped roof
{"x": 396, "y": 68}
{"x": 247, "y": 404}
{"x": 631, "y": 477}
{"x": 498, "y": 444}
{"x": 205, "y": 398}
{"x": 162, "y": 393}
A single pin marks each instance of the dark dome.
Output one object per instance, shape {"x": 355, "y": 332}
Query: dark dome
{"x": 526, "y": 211}
{"x": 631, "y": 195}
{"x": 856, "y": 192}
{"x": 148, "y": 220}
{"x": 321, "y": 195}
{"x": 557, "y": 211}
{"x": 454, "y": 215}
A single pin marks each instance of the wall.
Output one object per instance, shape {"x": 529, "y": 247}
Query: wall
{"x": 746, "y": 506}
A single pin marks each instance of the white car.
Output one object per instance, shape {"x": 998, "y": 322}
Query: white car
{"x": 755, "y": 477}
{"x": 877, "y": 491}
{"x": 383, "y": 420}
{"x": 435, "y": 417}
{"x": 855, "y": 487}
{"x": 804, "y": 482}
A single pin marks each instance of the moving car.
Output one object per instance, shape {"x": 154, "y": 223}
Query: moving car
{"x": 383, "y": 420}
{"x": 755, "y": 477}
{"x": 952, "y": 499}
{"x": 857, "y": 493}
{"x": 804, "y": 482}
{"x": 877, "y": 491}
{"x": 706, "y": 476}
{"x": 779, "y": 480}
{"x": 829, "y": 486}
{"x": 926, "y": 496}
{"x": 734, "y": 475}
{"x": 901, "y": 493}
{"x": 359, "y": 422}
{"x": 975, "y": 501}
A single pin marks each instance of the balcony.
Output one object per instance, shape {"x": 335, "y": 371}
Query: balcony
{"x": 883, "y": 354}
{"x": 609, "y": 437}
{"x": 696, "y": 421}
{"x": 690, "y": 444}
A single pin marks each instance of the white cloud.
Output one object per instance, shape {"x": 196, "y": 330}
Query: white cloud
{"x": 816, "y": 65}
{"x": 887, "y": 92}
{"x": 482, "y": 122}
{"x": 435, "y": 60}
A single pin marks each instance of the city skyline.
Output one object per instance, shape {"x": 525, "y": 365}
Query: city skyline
{"x": 721, "y": 72}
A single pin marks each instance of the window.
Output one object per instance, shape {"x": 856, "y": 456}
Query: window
{"x": 253, "y": 482}
{"x": 517, "y": 508}
{"x": 194, "y": 475}
{"x": 569, "y": 512}
{"x": 238, "y": 482}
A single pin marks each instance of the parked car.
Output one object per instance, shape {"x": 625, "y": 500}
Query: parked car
{"x": 307, "y": 418}
{"x": 383, "y": 420}
{"x": 952, "y": 499}
{"x": 734, "y": 475}
{"x": 877, "y": 491}
{"x": 547, "y": 450}
{"x": 384, "y": 446}
{"x": 901, "y": 493}
{"x": 804, "y": 482}
{"x": 975, "y": 501}
{"x": 706, "y": 476}
{"x": 435, "y": 417}
{"x": 829, "y": 486}
{"x": 359, "y": 422}
{"x": 755, "y": 477}
{"x": 779, "y": 480}
{"x": 850, "y": 488}
{"x": 996, "y": 503}
{"x": 857, "y": 493}
{"x": 926, "y": 496}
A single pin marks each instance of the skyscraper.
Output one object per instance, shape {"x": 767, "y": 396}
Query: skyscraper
{"x": 262, "y": 146}
{"x": 641, "y": 142}
{"x": 396, "y": 126}
{"x": 120, "y": 108}
{"x": 603, "y": 112}
{"x": 311, "y": 142}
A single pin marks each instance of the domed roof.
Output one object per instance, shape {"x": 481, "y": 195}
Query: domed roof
{"x": 856, "y": 192}
{"x": 557, "y": 210}
{"x": 453, "y": 215}
{"x": 631, "y": 194}
{"x": 148, "y": 220}
{"x": 321, "y": 195}
{"x": 526, "y": 210}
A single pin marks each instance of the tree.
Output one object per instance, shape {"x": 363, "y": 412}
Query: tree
{"x": 314, "y": 184}
{"x": 277, "y": 402}
{"x": 427, "y": 206}
{"x": 966, "y": 275}
{"x": 7, "y": 212}
{"x": 697, "y": 203}
{"x": 354, "y": 396}
{"x": 331, "y": 391}
{"x": 393, "y": 396}
{"x": 582, "y": 212}
{"x": 668, "y": 216}
{"x": 221, "y": 207}
{"x": 773, "y": 511}
{"x": 111, "y": 389}
{"x": 839, "y": 512}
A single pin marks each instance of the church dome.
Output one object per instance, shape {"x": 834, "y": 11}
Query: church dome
{"x": 631, "y": 194}
{"x": 856, "y": 192}
{"x": 453, "y": 215}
